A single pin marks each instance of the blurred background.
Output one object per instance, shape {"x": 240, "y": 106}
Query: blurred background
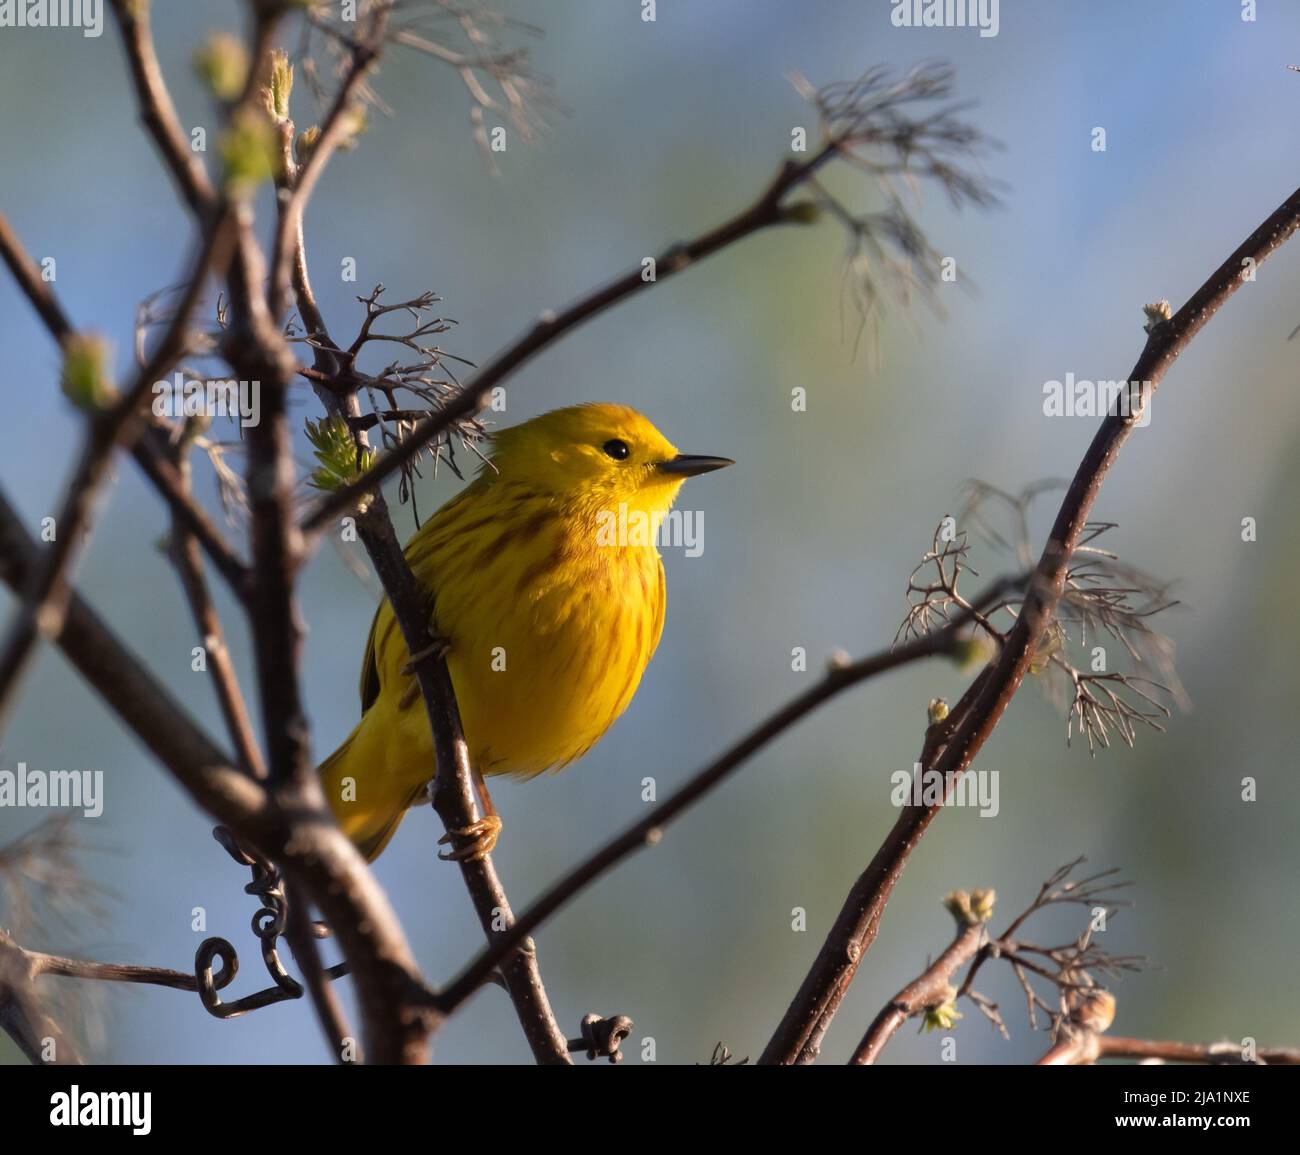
{"x": 666, "y": 128}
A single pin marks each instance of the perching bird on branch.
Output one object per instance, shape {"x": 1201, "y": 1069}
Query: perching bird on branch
{"x": 548, "y": 589}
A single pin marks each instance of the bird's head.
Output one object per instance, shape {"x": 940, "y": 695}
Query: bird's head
{"x": 600, "y": 455}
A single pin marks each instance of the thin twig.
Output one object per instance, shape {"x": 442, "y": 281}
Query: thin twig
{"x": 151, "y": 453}
{"x": 156, "y": 109}
{"x": 189, "y": 565}
{"x": 36, "y": 290}
{"x": 931, "y": 988}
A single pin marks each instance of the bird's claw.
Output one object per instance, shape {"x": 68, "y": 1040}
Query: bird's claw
{"x": 439, "y": 647}
{"x": 483, "y": 835}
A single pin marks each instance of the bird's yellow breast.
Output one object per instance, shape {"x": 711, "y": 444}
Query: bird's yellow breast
{"x": 549, "y": 628}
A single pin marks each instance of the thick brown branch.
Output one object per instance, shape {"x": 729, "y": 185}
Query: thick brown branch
{"x": 255, "y": 347}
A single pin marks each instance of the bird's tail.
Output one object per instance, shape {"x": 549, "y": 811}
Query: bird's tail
{"x": 367, "y": 800}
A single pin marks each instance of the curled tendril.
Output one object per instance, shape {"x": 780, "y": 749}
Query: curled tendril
{"x": 268, "y": 925}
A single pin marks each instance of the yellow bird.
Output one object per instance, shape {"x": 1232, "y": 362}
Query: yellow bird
{"x": 548, "y": 589}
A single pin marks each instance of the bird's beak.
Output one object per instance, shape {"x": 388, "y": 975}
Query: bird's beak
{"x": 689, "y": 465}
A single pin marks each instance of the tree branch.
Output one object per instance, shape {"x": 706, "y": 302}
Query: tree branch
{"x": 930, "y": 989}
{"x": 37, "y": 291}
{"x": 798, "y": 1037}
{"x": 1089, "y": 1047}
{"x": 151, "y": 453}
{"x": 45, "y": 600}
{"x": 157, "y": 112}
{"x": 22, "y": 1017}
{"x": 189, "y": 565}
{"x": 452, "y": 794}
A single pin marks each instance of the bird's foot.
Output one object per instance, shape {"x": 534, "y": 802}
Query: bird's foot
{"x": 439, "y": 647}
{"x": 483, "y": 836}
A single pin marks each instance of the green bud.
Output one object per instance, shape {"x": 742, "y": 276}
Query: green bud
{"x": 223, "y": 64}
{"x": 943, "y": 1017}
{"x": 937, "y": 710}
{"x": 981, "y": 904}
{"x": 85, "y": 371}
{"x": 276, "y": 95}
{"x": 336, "y": 451}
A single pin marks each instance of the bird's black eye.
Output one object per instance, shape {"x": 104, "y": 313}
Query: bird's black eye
{"x": 617, "y": 449}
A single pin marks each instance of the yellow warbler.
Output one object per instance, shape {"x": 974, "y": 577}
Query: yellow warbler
{"x": 549, "y": 592}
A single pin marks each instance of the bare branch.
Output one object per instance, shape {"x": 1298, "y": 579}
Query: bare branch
{"x": 156, "y": 109}
{"x": 189, "y": 564}
{"x": 29, "y": 280}
{"x": 798, "y": 1037}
